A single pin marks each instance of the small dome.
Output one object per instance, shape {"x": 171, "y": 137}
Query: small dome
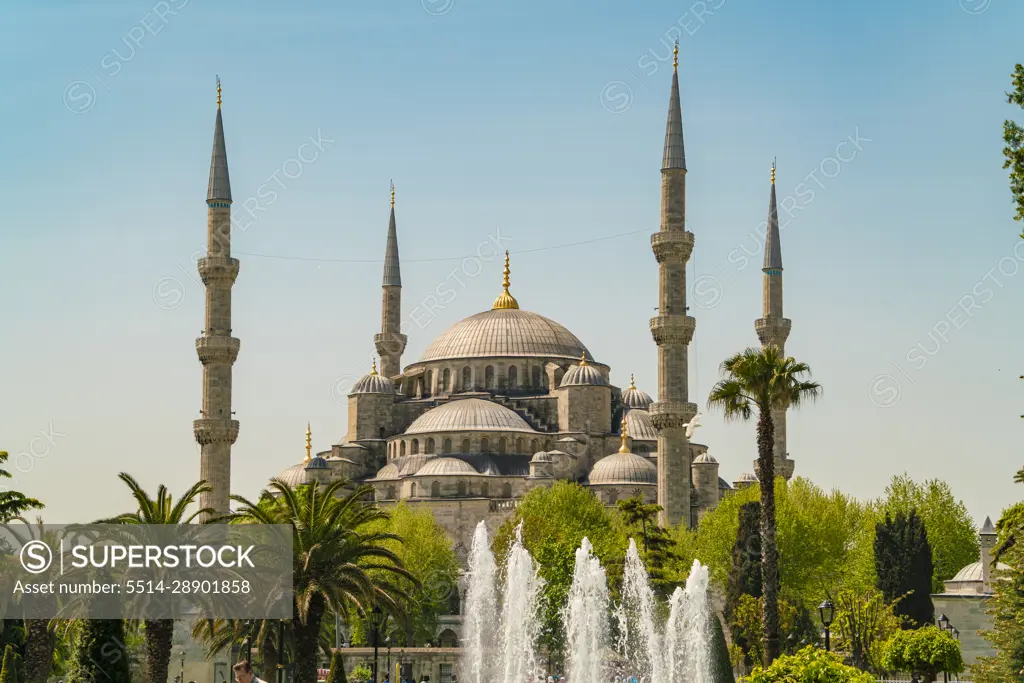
{"x": 623, "y": 468}
{"x": 748, "y": 477}
{"x": 317, "y": 463}
{"x": 373, "y": 383}
{"x": 469, "y": 414}
{"x": 445, "y": 467}
{"x": 389, "y": 471}
{"x": 296, "y": 475}
{"x": 634, "y": 398}
{"x": 640, "y": 427}
{"x": 541, "y": 457}
{"x": 973, "y": 573}
{"x": 704, "y": 459}
{"x": 583, "y": 374}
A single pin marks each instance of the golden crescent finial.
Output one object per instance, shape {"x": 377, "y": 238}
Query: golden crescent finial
{"x": 773, "y": 171}
{"x": 583, "y": 360}
{"x": 505, "y": 300}
{"x": 309, "y": 443}
{"x": 218, "y": 92}
{"x": 632, "y": 384}
{"x": 675, "y": 56}
{"x": 392, "y": 194}
{"x": 624, "y": 448}
{"x": 373, "y": 367}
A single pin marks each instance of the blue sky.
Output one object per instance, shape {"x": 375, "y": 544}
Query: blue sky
{"x": 539, "y": 122}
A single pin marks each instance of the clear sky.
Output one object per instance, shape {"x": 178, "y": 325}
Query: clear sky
{"x": 536, "y": 124}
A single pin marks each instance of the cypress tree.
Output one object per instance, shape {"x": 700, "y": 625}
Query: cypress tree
{"x": 337, "y": 674}
{"x": 745, "y": 574}
{"x": 903, "y": 563}
{"x": 720, "y": 663}
{"x": 99, "y": 653}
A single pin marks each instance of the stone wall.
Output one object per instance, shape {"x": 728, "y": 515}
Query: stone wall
{"x": 967, "y": 614}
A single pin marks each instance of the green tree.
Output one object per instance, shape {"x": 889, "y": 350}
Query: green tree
{"x": 160, "y": 509}
{"x": 745, "y": 574}
{"x": 555, "y": 520}
{"x": 951, "y": 530}
{"x": 39, "y": 640}
{"x": 903, "y": 562}
{"x": 810, "y": 665}
{"x": 14, "y": 504}
{"x": 656, "y": 545}
{"x": 796, "y": 628}
{"x": 864, "y": 620}
{"x": 9, "y": 672}
{"x": 720, "y": 654}
{"x": 760, "y": 380}
{"x": 1013, "y": 136}
{"x": 337, "y": 674}
{"x": 339, "y": 559}
{"x": 927, "y": 651}
{"x": 100, "y": 653}
{"x": 1006, "y": 604}
{"x": 361, "y": 673}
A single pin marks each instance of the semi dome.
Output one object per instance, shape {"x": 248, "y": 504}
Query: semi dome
{"x": 389, "y": 471}
{"x": 583, "y": 374}
{"x": 505, "y": 332}
{"x": 373, "y": 383}
{"x": 469, "y": 414}
{"x": 445, "y": 467}
{"x": 623, "y": 468}
{"x": 640, "y": 427}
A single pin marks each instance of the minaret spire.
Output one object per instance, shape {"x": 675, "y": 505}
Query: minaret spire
{"x": 390, "y": 343}
{"x": 505, "y": 300}
{"x": 309, "y": 443}
{"x": 216, "y": 430}
{"x": 773, "y": 328}
{"x": 673, "y": 328}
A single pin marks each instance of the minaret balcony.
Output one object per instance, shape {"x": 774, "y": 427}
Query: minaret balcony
{"x": 671, "y": 414}
{"x": 218, "y": 269}
{"x": 668, "y": 329}
{"x": 217, "y": 349}
{"x": 773, "y": 330}
{"x": 215, "y": 431}
{"x": 672, "y": 246}
{"x": 390, "y": 343}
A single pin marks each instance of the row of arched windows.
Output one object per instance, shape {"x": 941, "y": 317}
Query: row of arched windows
{"x": 403, "y": 447}
{"x": 445, "y": 384}
{"x": 461, "y": 490}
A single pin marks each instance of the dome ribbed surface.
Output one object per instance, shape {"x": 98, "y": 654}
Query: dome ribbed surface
{"x": 445, "y": 467}
{"x": 583, "y": 375}
{"x": 469, "y": 414}
{"x": 389, "y": 471}
{"x": 634, "y": 398}
{"x": 373, "y": 384}
{"x": 317, "y": 463}
{"x": 640, "y": 427}
{"x": 542, "y": 457}
{"x": 973, "y": 572}
{"x": 704, "y": 459}
{"x": 505, "y": 332}
{"x": 295, "y": 475}
{"x": 624, "y": 468}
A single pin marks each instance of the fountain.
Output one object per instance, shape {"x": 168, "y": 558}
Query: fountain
{"x": 481, "y": 610}
{"x": 586, "y": 617}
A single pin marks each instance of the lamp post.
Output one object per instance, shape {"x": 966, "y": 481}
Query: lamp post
{"x": 280, "y": 651}
{"x": 827, "y": 614}
{"x": 182, "y": 666}
{"x": 387, "y": 669}
{"x": 375, "y": 616}
{"x": 944, "y": 625}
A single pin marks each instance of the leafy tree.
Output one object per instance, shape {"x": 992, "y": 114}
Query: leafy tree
{"x": 9, "y": 672}
{"x": 927, "y": 651}
{"x": 720, "y": 654}
{"x": 760, "y": 380}
{"x": 361, "y": 673}
{"x": 555, "y": 520}
{"x": 657, "y": 547}
{"x": 337, "y": 674}
{"x": 339, "y": 560}
{"x": 221, "y": 635}
{"x": 903, "y": 561}
{"x": 1013, "y": 136}
{"x": 864, "y": 620}
{"x": 14, "y": 504}
{"x": 795, "y": 627}
{"x": 810, "y": 665}
{"x": 745, "y": 574}
{"x": 951, "y": 530}
{"x": 99, "y": 653}
{"x": 1006, "y": 604}
{"x": 160, "y": 509}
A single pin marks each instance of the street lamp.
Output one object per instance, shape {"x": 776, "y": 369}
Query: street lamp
{"x": 943, "y": 622}
{"x": 827, "y": 613}
{"x": 951, "y": 630}
{"x": 182, "y": 666}
{"x": 387, "y": 669}
{"x": 375, "y": 617}
{"x": 280, "y": 651}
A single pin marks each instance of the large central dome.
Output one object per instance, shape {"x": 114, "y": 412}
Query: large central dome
{"x": 506, "y": 332}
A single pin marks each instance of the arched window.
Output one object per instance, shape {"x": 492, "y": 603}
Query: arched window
{"x": 435, "y": 490}
{"x": 412, "y": 490}
{"x": 462, "y": 488}
{"x": 519, "y": 445}
{"x": 391, "y": 493}
{"x": 467, "y": 379}
{"x": 502, "y": 445}
{"x": 485, "y": 445}
{"x": 533, "y": 446}
{"x": 446, "y": 380}
{"x": 465, "y": 445}
{"x": 489, "y": 377}
{"x": 401, "y": 449}
{"x": 613, "y": 496}
{"x": 506, "y": 491}
{"x": 513, "y": 376}
{"x": 414, "y": 447}
{"x": 484, "y": 489}
{"x": 429, "y": 448}
{"x": 535, "y": 378}
{"x": 382, "y": 433}
{"x": 641, "y": 450}
{"x": 547, "y": 444}
{"x": 446, "y": 447}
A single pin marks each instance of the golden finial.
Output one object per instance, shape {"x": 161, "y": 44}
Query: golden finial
{"x": 309, "y": 443}
{"x": 675, "y": 56}
{"x": 583, "y": 360}
{"x": 624, "y": 448}
{"x": 373, "y": 367}
{"x": 773, "y": 171}
{"x": 505, "y": 300}
{"x": 218, "y": 92}
{"x": 392, "y": 194}
{"x": 632, "y": 384}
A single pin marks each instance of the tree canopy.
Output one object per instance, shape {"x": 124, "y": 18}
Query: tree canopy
{"x": 903, "y": 562}
{"x": 1013, "y": 136}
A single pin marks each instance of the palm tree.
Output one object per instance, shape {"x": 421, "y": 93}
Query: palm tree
{"x": 160, "y": 509}
{"x": 40, "y": 639}
{"x": 760, "y": 380}
{"x": 14, "y": 504}
{"x": 339, "y": 559}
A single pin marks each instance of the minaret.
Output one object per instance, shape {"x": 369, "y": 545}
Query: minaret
{"x": 773, "y": 328}
{"x": 391, "y": 342}
{"x": 673, "y": 328}
{"x": 216, "y": 430}
{"x": 309, "y": 443}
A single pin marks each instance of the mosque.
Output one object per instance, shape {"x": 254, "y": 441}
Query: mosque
{"x": 505, "y": 400}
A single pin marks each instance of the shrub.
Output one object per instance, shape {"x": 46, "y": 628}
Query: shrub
{"x": 809, "y": 665}
{"x": 927, "y": 651}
